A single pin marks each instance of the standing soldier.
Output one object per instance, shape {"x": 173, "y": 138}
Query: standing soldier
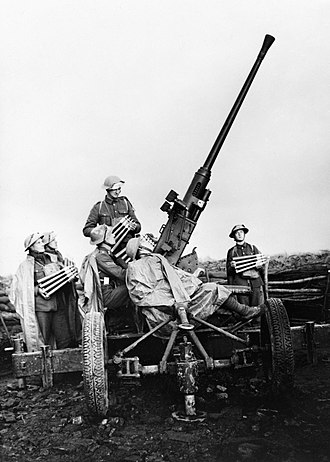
{"x": 112, "y": 209}
{"x": 252, "y": 278}
{"x": 51, "y": 247}
{"x": 68, "y": 297}
{"x": 43, "y": 317}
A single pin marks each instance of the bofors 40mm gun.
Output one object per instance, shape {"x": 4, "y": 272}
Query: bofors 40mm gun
{"x": 130, "y": 355}
{"x": 183, "y": 214}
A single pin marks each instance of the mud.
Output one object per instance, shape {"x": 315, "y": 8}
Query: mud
{"x": 242, "y": 421}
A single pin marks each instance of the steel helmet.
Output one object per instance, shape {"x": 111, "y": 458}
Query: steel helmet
{"x": 102, "y": 233}
{"x": 237, "y": 228}
{"x": 147, "y": 242}
{"x": 111, "y": 181}
{"x": 31, "y": 239}
{"x": 132, "y": 247}
{"x": 48, "y": 237}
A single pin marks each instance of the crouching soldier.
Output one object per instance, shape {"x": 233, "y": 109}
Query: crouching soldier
{"x": 103, "y": 277}
{"x": 156, "y": 287}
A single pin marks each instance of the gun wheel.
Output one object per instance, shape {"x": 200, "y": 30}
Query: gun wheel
{"x": 95, "y": 358}
{"x": 276, "y": 341}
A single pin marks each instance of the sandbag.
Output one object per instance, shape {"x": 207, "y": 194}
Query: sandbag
{"x": 4, "y": 298}
{"x": 4, "y": 307}
{"x": 10, "y": 316}
{"x": 7, "y": 307}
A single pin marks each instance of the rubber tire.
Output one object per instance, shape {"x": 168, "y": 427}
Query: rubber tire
{"x": 276, "y": 340}
{"x": 95, "y": 358}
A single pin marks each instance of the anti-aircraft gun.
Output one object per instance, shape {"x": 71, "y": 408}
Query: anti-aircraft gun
{"x": 139, "y": 351}
{"x": 184, "y": 214}
{"x": 128, "y": 355}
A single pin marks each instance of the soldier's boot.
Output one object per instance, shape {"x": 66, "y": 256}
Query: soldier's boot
{"x": 244, "y": 311}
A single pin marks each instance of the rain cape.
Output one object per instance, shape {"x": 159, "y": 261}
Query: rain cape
{"x": 91, "y": 299}
{"x": 22, "y": 297}
{"x": 155, "y": 286}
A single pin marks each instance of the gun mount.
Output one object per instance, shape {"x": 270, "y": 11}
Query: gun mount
{"x": 183, "y": 214}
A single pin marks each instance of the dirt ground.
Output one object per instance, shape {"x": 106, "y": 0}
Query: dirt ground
{"x": 243, "y": 422}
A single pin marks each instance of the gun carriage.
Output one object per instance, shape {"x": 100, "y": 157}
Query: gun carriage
{"x": 194, "y": 345}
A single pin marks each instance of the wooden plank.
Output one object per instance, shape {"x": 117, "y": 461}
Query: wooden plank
{"x": 59, "y": 361}
{"x": 27, "y": 364}
{"x": 68, "y": 360}
{"x": 297, "y": 281}
{"x": 295, "y": 291}
{"x": 321, "y": 336}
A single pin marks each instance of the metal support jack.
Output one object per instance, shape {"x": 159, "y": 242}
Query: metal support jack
{"x": 187, "y": 372}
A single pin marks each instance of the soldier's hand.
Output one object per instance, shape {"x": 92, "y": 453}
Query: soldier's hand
{"x": 132, "y": 225}
{"x": 199, "y": 272}
{"x": 233, "y": 264}
{"x": 43, "y": 294}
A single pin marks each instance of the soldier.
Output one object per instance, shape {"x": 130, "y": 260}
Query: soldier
{"x": 112, "y": 209}
{"x": 51, "y": 247}
{"x": 156, "y": 287}
{"x": 106, "y": 274}
{"x": 68, "y": 297}
{"x": 43, "y": 318}
{"x": 253, "y": 278}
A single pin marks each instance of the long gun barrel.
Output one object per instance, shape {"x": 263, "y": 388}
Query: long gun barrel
{"x": 183, "y": 214}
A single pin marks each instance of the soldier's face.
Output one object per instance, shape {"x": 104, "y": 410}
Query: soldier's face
{"x": 146, "y": 246}
{"x": 114, "y": 193}
{"x": 143, "y": 252}
{"x": 239, "y": 235}
{"x": 38, "y": 246}
{"x": 53, "y": 244}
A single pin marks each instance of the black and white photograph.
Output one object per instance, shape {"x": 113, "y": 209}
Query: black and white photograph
{"x": 165, "y": 237}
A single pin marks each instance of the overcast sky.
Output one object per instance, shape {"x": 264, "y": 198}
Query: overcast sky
{"x": 141, "y": 89}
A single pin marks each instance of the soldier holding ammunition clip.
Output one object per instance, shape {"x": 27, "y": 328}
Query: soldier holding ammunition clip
{"x": 245, "y": 267}
{"x": 112, "y": 209}
{"x": 106, "y": 273}
{"x": 44, "y": 318}
{"x": 65, "y": 279}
